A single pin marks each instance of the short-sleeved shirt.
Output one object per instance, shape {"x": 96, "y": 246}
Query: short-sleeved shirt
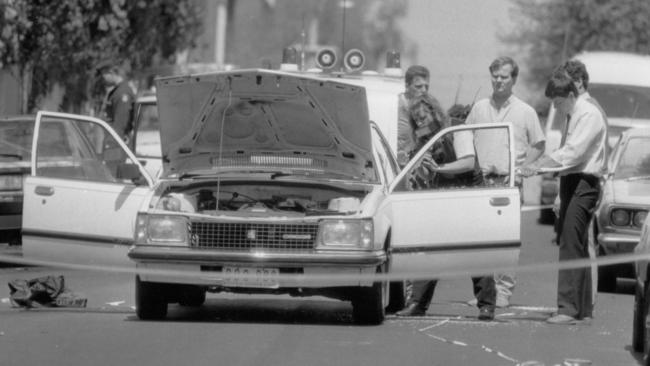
{"x": 492, "y": 146}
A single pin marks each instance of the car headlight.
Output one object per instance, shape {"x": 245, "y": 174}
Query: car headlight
{"x": 620, "y": 217}
{"x": 11, "y": 182}
{"x": 162, "y": 230}
{"x": 639, "y": 218}
{"x": 345, "y": 234}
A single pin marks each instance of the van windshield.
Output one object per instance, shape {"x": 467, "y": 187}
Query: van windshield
{"x": 622, "y": 101}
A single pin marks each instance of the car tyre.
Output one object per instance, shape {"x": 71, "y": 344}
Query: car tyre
{"x": 639, "y": 332}
{"x": 398, "y": 296}
{"x": 369, "y": 303}
{"x": 150, "y": 300}
{"x": 192, "y": 296}
{"x": 606, "y": 279}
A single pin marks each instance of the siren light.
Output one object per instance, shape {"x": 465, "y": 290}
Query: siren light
{"x": 326, "y": 58}
{"x": 289, "y": 59}
{"x": 354, "y": 60}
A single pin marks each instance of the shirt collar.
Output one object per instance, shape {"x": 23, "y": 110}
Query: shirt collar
{"x": 505, "y": 104}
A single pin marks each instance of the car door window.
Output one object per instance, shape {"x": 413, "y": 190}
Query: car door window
{"x": 82, "y": 150}
{"x": 147, "y": 139}
{"x": 482, "y": 156}
{"x": 384, "y": 158}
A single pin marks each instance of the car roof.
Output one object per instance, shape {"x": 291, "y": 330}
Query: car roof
{"x": 608, "y": 67}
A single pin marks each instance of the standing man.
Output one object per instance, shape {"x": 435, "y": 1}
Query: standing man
{"x": 120, "y": 97}
{"x": 581, "y": 162}
{"x": 504, "y": 106}
{"x": 416, "y": 83}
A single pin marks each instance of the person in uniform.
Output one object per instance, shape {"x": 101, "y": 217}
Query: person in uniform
{"x": 119, "y": 101}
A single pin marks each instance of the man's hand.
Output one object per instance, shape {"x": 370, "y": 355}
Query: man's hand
{"x": 527, "y": 171}
{"x": 429, "y": 163}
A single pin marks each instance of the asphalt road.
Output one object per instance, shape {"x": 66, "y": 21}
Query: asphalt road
{"x": 279, "y": 330}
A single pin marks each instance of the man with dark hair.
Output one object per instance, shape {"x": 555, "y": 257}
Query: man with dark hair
{"x": 581, "y": 162}
{"x": 119, "y": 101}
{"x": 493, "y": 150}
{"x": 416, "y": 83}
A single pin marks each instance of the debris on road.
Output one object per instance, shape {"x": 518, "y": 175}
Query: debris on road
{"x": 47, "y": 291}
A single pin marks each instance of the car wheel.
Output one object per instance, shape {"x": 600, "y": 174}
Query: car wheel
{"x": 192, "y": 296}
{"x": 369, "y": 304}
{"x": 398, "y": 296}
{"x": 606, "y": 279}
{"x": 150, "y": 300}
{"x": 639, "y": 336}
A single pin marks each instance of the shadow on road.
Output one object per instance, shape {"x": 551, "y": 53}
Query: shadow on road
{"x": 266, "y": 311}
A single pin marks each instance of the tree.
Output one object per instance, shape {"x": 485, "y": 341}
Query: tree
{"x": 551, "y": 31}
{"x": 61, "y": 42}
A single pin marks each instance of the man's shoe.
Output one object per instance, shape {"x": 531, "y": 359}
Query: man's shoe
{"x": 411, "y": 310}
{"x": 562, "y": 319}
{"x": 486, "y": 313}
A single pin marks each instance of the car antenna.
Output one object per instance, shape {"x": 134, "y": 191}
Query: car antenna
{"x": 302, "y": 48}
{"x": 460, "y": 82}
{"x": 344, "y": 4}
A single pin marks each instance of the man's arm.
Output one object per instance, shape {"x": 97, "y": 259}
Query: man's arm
{"x": 405, "y": 141}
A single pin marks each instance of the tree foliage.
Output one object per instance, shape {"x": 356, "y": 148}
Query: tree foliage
{"x": 551, "y": 31}
{"x": 61, "y": 42}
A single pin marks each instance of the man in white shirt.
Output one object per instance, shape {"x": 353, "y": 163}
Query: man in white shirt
{"x": 581, "y": 162}
{"x": 492, "y": 146}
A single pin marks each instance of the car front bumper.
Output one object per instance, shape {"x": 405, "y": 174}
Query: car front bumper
{"x": 614, "y": 243}
{"x": 306, "y": 270}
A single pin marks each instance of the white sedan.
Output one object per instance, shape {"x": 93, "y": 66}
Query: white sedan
{"x": 271, "y": 183}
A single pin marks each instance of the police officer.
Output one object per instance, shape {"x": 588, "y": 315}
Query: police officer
{"x": 119, "y": 101}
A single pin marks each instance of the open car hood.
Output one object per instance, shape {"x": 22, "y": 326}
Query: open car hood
{"x": 263, "y": 120}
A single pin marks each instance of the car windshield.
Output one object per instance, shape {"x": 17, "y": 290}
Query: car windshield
{"x": 16, "y": 140}
{"x": 635, "y": 159}
{"x": 622, "y": 101}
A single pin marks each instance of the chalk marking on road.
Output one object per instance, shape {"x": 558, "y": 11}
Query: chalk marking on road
{"x": 463, "y": 344}
{"x": 434, "y": 325}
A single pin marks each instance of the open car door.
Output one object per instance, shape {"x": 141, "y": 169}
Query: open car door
{"x": 83, "y": 194}
{"x": 449, "y": 225}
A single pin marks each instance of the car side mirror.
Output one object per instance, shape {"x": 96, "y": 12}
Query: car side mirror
{"x": 128, "y": 171}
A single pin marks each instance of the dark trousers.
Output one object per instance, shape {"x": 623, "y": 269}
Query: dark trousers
{"x": 579, "y": 194}
{"x": 484, "y": 291}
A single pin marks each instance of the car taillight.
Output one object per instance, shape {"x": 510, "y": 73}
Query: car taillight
{"x": 11, "y": 182}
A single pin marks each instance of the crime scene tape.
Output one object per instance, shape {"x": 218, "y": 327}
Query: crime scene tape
{"x": 330, "y": 279}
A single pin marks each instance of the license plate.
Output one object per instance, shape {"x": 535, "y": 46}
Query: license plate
{"x": 250, "y": 277}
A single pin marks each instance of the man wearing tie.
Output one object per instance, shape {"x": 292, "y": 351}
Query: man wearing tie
{"x": 581, "y": 162}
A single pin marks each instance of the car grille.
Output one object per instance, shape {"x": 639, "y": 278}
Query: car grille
{"x": 254, "y": 236}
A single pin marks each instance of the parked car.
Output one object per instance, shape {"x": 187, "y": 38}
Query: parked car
{"x": 624, "y": 94}
{"x": 16, "y": 135}
{"x": 272, "y": 182}
{"x": 624, "y": 204}
{"x": 640, "y": 329}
